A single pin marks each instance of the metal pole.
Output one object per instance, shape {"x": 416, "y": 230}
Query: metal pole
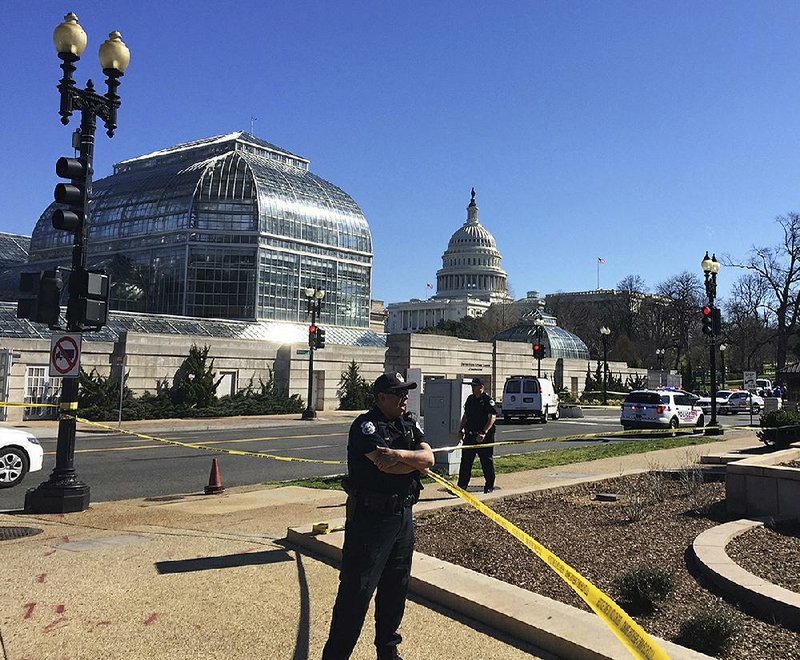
{"x": 121, "y": 388}
{"x": 539, "y": 358}
{"x": 605, "y": 370}
{"x": 309, "y": 412}
{"x": 63, "y": 492}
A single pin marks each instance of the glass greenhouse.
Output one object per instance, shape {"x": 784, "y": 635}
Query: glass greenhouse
{"x": 229, "y": 227}
{"x": 557, "y": 342}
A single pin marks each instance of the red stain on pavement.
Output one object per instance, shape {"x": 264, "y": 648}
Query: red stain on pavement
{"x": 29, "y": 607}
{"x": 65, "y": 539}
{"x": 59, "y": 609}
{"x": 58, "y": 623}
{"x": 151, "y": 619}
{"x": 41, "y": 578}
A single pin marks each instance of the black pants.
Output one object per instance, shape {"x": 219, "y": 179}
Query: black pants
{"x": 468, "y": 458}
{"x": 377, "y": 555}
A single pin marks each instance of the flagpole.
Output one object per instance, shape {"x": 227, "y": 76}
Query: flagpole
{"x": 598, "y": 274}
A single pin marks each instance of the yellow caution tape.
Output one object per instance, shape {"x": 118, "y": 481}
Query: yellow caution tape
{"x": 68, "y": 405}
{"x": 220, "y": 450}
{"x": 9, "y": 404}
{"x": 630, "y": 633}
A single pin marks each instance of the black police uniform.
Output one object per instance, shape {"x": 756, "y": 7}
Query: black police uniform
{"x": 379, "y": 537}
{"x": 478, "y": 410}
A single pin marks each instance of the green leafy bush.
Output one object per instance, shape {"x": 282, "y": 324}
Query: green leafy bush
{"x": 644, "y": 587}
{"x": 711, "y": 631}
{"x": 354, "y": 392}
{"x": 780, "y": 427}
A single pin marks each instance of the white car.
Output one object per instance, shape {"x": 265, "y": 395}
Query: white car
{"x": 741, "y": 401}
{"x": 20, "y": 453}
{"x": 705, "y": 402}
{"x": 669, "y": 409}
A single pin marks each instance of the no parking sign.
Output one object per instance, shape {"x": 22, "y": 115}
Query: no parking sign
{"x": 65, "y": 355}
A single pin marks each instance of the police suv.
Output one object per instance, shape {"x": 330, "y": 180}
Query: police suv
{"x": 662, "y": 408}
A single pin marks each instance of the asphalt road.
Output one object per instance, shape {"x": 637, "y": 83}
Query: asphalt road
{"x": 120, "y": 467}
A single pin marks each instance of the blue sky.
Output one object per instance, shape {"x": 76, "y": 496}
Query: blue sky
{"x": 642, "y": 133}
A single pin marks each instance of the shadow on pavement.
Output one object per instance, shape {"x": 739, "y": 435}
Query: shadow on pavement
{"x": 223, "y": 561}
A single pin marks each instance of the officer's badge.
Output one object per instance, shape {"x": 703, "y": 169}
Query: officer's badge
{"x": 400, "y": 378}
{"x": 419, "y": 428}
{"x": 491, "y": 402}
{"x": 367, "y": 428}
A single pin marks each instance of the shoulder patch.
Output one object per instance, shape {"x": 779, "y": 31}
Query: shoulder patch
{"x": 367, "y": 428}
{"x": 491, "y": 402}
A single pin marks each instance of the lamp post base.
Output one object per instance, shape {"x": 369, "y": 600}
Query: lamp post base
{"x": 713, "y": 430}
{"x": 50, "y": 497}
{"x": 309, "y": 413}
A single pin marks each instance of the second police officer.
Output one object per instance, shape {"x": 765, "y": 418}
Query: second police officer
{"x": 477, "y": 427}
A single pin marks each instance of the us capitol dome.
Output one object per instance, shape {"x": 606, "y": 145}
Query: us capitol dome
{"x": 468, "y": 283}
{"x": 471, "y": 263}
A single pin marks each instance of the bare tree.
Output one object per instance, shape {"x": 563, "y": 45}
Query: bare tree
{"x": 747, "y": 328}
{"x": 779, "y": 267}
{"x": 679, "y": 317}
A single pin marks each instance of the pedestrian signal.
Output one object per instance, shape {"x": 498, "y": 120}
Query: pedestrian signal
{"x": 312, "y": 336}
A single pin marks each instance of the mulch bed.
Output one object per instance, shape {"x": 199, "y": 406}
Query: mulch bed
{"x": 652, "y": 524}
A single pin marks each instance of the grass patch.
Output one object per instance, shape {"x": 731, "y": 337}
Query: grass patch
{"x": 541, "y": 459}
{"x": 554, "y": 457}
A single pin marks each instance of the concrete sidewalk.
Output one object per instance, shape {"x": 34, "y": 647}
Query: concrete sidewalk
{"x": 212, "y": 576}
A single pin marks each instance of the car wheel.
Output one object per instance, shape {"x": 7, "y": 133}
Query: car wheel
{"x": 544, "y": 415}
{"x": 673, "y": 425}
{"x": 13, "y": 466}
{"x": 700, "y": 425}
{"x": 756, "y": 409}
{"x": 556, "y": 415}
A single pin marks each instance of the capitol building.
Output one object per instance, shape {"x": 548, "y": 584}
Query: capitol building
{"x": 468, "y": 283}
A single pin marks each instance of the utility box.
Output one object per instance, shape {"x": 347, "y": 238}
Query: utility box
{"x": 444, "y": 405}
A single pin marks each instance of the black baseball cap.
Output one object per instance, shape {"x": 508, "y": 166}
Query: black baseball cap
{"x": 391, "y": 383}
{"x": 477, "y": 381}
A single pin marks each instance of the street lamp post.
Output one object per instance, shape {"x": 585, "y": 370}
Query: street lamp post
{"x": 710, "y": 267}
{"x": 722, "y": 349}
{"x": 63, "y": 492}
{"x": 539, "y": 323}
{"x": 660, "y": 358}
{"x": 604, "y": 332}
{"x": 314, "y": 298}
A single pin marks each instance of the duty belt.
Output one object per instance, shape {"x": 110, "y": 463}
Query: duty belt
{"x": 383, "y": 502}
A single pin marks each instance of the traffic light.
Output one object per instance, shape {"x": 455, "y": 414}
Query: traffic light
{"x": 538, "y": 351}
{"x": 707, "y": 321}
{"x": 320, "y": 338}
{"x": 40, "y": 297}
{"x": 88, "y": 302}
{"x": 312, "y": 336}
{"x": 71, "y": 195}
{"x": 716, "y": 321}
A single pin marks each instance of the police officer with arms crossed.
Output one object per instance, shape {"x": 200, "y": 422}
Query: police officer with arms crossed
{"x": 386, "y": 453}
{"x": 477, "y": 427}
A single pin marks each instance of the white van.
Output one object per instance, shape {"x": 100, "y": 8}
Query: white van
{"x": 529, "y": 396}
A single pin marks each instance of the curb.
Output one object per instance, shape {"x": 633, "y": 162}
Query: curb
{"x": 769, "y": 600}
{"x": 560, "y": 629}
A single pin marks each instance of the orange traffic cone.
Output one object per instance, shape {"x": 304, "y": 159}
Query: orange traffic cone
{"x": 214, "y": 481}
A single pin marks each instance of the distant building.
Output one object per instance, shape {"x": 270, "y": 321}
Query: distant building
{"x": 468, "y": 283}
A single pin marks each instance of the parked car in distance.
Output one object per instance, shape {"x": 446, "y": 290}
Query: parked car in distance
{"x": 20, "y": 453}
{"x": 529, "y": 397}
{"x": 764, "y": 386}
{"x": 660, "y": 409}
{"x": 741, "y": 402}
{"x": 705, "y": 401}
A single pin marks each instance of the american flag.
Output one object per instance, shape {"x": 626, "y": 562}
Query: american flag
{"x": 600, "y": 260}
